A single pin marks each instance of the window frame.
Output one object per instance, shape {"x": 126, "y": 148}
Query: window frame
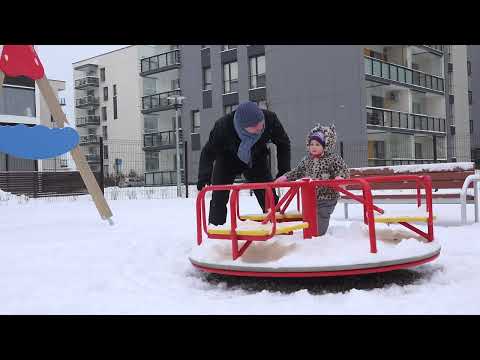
{"x": 230, "y": 81}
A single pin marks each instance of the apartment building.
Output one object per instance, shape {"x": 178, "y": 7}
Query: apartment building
{"x": 391, "y": 104}
{"x": 473, "y": 70}
{"x": 107, "y": 93}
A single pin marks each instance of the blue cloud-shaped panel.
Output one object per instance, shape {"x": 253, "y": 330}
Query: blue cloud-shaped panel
{"x": 37, "y": 142}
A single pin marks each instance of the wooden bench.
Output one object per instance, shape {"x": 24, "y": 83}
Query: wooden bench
{"x": 450, "y": 182}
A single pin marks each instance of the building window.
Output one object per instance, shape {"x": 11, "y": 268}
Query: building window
{"x": 469, "y": 67}
{"x": 115, "y": 114}
{"x": 228, "y": 47}
{"x": 377, "y": 101}
{"x": 207, "y": 79}
{"x": 229, "y": 108}
{"x": 151, "y": 161}
{"x": 175, "y": 84}
{"x": 102, "y": 74}
{"x": 104, "y": 113}
{"x": 105, "y": 93}
{"x": 470, "y": 98}
{"x": 418, "y": 151}
{"x": 471, "y": 126}
{"x": 150, "y": 124}
{"x": 104, "y": 132}
{"x": 17, "y": 101}
{"x": 105, "y": 152}
{"x": 257, "y": 72}
{"x": 230, "y": 77}
{"x": 195, "y": 121}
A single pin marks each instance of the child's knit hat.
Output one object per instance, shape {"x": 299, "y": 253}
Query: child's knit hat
{"x": 317, "y": 135}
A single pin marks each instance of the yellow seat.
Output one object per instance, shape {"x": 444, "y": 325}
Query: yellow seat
{"x": 278, "y": 216}
{"x": 398, "y": 219}
{"x": 260, "y": 232}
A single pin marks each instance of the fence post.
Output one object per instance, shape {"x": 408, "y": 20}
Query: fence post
{"x": 434, "y": 148}
{"x": 185, "y": 166}
{"x": 102, "y": 178}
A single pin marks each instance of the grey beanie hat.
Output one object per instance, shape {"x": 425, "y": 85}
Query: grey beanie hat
{"x": 248, "y": 114}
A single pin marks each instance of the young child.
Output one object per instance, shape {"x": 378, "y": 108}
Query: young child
{"x": 321, "y": 162}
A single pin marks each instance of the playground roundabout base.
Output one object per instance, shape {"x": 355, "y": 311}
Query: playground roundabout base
{"x": 344, "y": 250}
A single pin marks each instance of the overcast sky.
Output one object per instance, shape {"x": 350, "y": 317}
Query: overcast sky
{"x": 57, "y": 61}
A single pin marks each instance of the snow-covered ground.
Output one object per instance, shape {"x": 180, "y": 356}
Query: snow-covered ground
{"x": 59, "y": 257}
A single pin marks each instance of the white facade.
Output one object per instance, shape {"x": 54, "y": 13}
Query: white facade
{"x": 121, "y": 69}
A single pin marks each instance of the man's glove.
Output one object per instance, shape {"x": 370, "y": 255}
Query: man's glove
{"x": 201, "y": 184}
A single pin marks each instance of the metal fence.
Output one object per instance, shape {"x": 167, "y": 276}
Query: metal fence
{"x": 132, "y": 169}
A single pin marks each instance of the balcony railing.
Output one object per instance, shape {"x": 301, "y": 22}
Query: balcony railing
{"x": 162, "y": 140}
{"x": 92, "y": 158}
{"x": 161, "y": 62}
{"x": 159, "y": 102}
{"x": 88, "y": 120}
{"x": 401, "y": 74}
{"x": 87, "y": 101}
{"x": 62, "y": 101}
{"x": 89, "y": 139}
{"x": 165, "y": 177}
{"x": 402, "y": 120}
{"x": 87, "y": 81}
{"x": 402, "y": 161}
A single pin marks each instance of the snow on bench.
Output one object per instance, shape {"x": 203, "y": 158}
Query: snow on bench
{"x": 452, "y": 183}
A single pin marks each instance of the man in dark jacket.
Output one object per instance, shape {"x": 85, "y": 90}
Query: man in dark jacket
{"x": 238, "y": 145}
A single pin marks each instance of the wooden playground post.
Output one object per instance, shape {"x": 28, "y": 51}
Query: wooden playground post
{"x": 77, "y": 154}
{"x": 22, "y": 60}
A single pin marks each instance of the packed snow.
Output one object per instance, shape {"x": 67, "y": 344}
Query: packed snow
{"x": 58, "y": 257}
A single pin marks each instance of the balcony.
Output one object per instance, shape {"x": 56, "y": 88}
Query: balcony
{"x": 159, "y": 102}
{"x": 92, "y": 158}
{"x": 165, "y": 177}
{"x": 161, "y": 140}
{"x": 86, "y": 82}
{"x": 401, "y": 120}
{"x": 93, "y": 120}
{"x": 89, "y": 139}
{"x": 88, "y": 68}
{"x": 439, "y": 49}
{"x": 376, "y": 69}
{"x": 87, "y": 102}
{"x": 158, "y": 63}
